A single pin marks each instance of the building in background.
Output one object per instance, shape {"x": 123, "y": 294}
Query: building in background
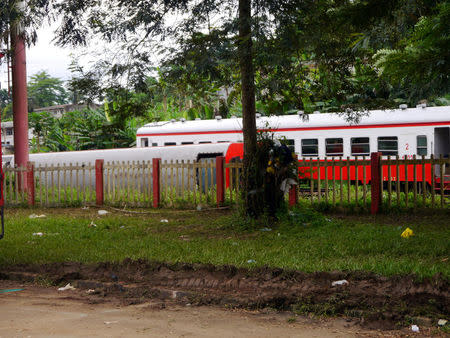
{"x": 59, "y": 110}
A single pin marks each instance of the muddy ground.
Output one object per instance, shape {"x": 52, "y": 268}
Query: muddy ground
{"x": 369, "y": 300}
{"x": 40, "y": 311}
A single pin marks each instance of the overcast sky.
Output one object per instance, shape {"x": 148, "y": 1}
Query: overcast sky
{"x": 44, "y": 56}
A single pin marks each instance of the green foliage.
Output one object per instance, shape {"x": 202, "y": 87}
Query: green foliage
{"x": 79, "y": 130}
{"x": 421, "y": 64}
{"x": 5, "y": 105}
{"x": 44, "y": 91}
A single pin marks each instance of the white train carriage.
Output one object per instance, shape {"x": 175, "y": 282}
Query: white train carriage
{"x": 403, "y": 132}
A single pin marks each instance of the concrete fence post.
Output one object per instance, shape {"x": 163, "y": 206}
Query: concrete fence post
{"x": 156, "y": 179}
{"x": 99, "y": 182}
{"x": 220, "y": 180}
{"x": 30, "y": 184}
{"x": 375, "y": 182}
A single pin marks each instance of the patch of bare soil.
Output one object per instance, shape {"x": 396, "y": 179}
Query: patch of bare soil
{"x": 377, "y": 302}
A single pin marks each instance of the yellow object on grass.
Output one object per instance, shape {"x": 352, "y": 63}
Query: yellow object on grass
{"x": 407, "y": 233}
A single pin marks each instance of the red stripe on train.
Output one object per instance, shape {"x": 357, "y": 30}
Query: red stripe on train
{"x": 417, "y": 124}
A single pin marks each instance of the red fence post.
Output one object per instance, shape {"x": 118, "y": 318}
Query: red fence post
{"x": 30, "y": 183}
{"x": 156, "y": 187}
{"x": 375, "y": 182}
{"x": 293, "y": 191}
{"x": 99, "y": 181}
{"x": 220, "y": 180}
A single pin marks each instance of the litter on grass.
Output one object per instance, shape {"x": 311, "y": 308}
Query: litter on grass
{"x": 92, "y": 225}
{"x": 407, "y": 233}
{"x": 442, "y": 322}
{"x": 339, "y": 282}
{"x": 251, "y": 261}
{"x": 265, "y": 229}
{"x": 414, "y": 328}
{"x": 102, "y": 212}
{"x": 38, "y": 234}
{"x": 36, "y": 216}
{"x": 164, "y": 221}
{"x": 67, "y": 287}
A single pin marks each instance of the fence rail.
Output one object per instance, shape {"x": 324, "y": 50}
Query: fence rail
{"x": 367, "y": 182}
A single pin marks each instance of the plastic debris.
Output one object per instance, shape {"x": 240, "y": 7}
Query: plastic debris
{"x": 90, "y": 291}
{"x": 85, "y": 208}
{"x": 92, "y": 225}
{"x": 103, "y": 212}
{"x": 339, "y": 282}
{"x": 407, "y": 233}
{"x": 286, "y": 184}
{"x": 36, "y": 216}
{"x": 164, "y": 221}
{"x": 40, "y": 234}
{"x": 10, "y": 290}
{"x": 122, "y": 226}
{"x": 442, "y": 322}
{"x": 414, "y": 328}
{"x": 265, "y": 229}
{"x": 251, "y": 261}
{"x": 67, "y": 287}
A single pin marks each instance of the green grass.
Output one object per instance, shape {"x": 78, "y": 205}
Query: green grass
{"x": 305, "y": 241}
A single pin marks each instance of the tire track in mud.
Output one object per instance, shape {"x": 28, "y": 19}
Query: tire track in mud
{"x": 368, "y": 296}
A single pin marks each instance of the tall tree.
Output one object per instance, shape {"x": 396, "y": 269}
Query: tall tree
{"x": 44, "y": 90}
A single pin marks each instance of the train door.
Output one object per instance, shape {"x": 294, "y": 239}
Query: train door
{"x": 441, "y": 145}
{"x": 206, "y": 176}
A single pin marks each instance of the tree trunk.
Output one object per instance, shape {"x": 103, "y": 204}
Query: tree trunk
{"x": 250, "y": 184}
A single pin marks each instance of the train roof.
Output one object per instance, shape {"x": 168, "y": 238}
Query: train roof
{"x": 419, "y": 114}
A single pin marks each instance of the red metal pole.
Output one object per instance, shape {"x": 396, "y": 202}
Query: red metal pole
{"x": 293, "y": 190}
{"x": 156, "y": 187}
{"x": 220, "y": 180}
{"x": 99, "y": 181}
{"x": 20, "y": 100}
{"x": 375, "y": 182}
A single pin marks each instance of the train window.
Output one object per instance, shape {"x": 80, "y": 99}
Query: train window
{"x": 170, "y": 143}
{"x": 187, "y": 142}
{"x": 290, "y": 144}
{"x": 144, "y": 142}
{"x": 154, "y": 144}
{"x": 310, "y": 147}
{"x": 422, "y": 145}
{"x": 334, "y": 147}
{"x": 388, "y": 145}
{"x": 203, "y": 142}
{"x": 360, "y": 146}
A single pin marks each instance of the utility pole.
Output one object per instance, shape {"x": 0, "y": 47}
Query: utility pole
{"x": 19, "y": 93}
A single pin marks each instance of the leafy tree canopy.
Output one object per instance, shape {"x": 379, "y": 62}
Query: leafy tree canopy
{"x": 44, "y": 91}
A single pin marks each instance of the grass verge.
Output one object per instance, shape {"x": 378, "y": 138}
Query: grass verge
{"x": 301, "y": 240}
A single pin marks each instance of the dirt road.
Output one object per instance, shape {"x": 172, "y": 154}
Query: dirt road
{"x": 44, "y": 311}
